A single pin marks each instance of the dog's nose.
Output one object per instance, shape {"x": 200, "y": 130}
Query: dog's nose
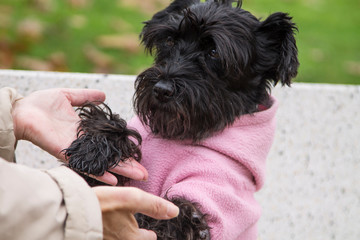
{"x": 163, "y": 90}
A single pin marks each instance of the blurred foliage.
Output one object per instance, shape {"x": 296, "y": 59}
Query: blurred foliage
{"x": 74, "y": 35}
{"x": 102, "y": 35}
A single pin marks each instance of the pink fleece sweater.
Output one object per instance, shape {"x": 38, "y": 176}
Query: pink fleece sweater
{"x": 221, "y": 173}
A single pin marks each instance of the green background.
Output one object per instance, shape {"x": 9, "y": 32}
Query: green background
{"x": 102, "y": 35}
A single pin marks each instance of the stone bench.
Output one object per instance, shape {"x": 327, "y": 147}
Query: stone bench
{"x": 312, "y": 191}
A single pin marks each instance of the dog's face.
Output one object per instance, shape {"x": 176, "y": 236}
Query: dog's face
{"x": 213, "y": 63}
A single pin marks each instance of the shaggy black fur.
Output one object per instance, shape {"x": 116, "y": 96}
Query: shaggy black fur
{"x": 103, "y": 140}
{"x": 213, "y": 63}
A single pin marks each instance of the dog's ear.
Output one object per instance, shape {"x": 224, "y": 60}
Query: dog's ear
{"x": 278, "y": 47}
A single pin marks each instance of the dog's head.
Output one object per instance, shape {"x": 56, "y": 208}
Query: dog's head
{"x": 213, "y": 63}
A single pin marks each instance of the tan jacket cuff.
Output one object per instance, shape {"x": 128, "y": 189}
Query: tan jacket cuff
{"x": 8, "y": 96}
{"x": 84, "y": 215}
{"x": 31, "y": 204}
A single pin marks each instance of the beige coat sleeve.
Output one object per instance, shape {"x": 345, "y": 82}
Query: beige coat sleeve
{"x": 8, "y": 96}
{"x": 35, "y": 204}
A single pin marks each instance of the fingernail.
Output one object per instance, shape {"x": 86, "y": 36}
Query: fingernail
{"x": 140, "y": 175}
{"x": 144, "y": 175}
{"x": 108, "y": 178}
{"x": 172, "y": 210}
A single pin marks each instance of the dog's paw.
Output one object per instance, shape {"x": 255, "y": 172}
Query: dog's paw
{"x": 199, "y": 220}
{"x": 103, "y": 140}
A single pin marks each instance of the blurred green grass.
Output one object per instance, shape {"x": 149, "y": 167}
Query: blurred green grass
{"x": 72, "y": 35}
{"x": 101, "y": 36}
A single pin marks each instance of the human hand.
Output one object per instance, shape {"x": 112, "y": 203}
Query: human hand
{"x": 47, "y": 119}
{"x": 118, "y": 206}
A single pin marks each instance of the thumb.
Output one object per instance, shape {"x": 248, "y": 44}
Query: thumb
{"x": 136, "y": 201}
{"x": 152, "y": 206}
{"x": 78, "y": 97}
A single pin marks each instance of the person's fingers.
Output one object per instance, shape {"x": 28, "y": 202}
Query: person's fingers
{"x": 131, "y": 169}
{"x": 155, "y": 207}
{"x": 59, "y": 153}
{"x": 78, "y": 97}
{"x": 136, "y": 201}
{"x": 146, "y": 234}
{"x": 107, "y": 178}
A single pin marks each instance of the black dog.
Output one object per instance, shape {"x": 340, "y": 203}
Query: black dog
{"x": 214, "y": 67}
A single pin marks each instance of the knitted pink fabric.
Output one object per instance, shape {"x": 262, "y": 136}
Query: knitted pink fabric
{"x": 221, "y": 173}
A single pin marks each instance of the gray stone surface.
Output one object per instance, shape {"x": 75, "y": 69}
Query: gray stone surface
{"x": 312, "y": 190}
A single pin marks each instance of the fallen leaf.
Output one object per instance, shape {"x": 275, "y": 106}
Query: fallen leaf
{"x": 44, "y": 5}
{"x": 148, "y": 7}
{"x": 32, "y": 63}
{"x": 103, "y": 62}
{"x": 77, "y": 21}
{"x": 129, "y": 42}
{"x": 79, "y": 3}
{"x": 31, "y": 29}
{"x": 353, "y": 67}
{"x": 317, "y": 54}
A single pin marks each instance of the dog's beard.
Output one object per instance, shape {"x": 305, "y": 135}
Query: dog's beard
{"x": 196, "y": 110}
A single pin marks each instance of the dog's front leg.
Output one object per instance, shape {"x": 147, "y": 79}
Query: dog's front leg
{"x": 103, "y": 140}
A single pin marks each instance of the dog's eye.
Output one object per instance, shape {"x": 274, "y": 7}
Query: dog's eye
{"x": 214, "y": 54}
{"x": 169, "y": 41}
